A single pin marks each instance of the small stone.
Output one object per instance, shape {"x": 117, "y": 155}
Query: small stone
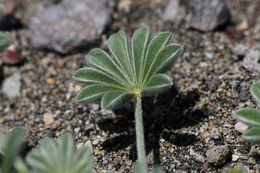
{"x": 254, "y": 151}
{"x": 173, "y": 12}
{"x": 207, "y": 15}
{"x": 47, "y": 119}
{"x": 209, "y": 55}
{"x": 240, "y": 50}
{"x": 214, "y": 133}
{"x": 69, "y": 25}
{"x": 51, "y": 81}
{"x": 95, "y": 142}
{"x": 76, "y": 130}
{"x": 11, "y": 85}
{"x": 11, "y": 56}
{"x": 129, "y": 162}
{"x": 214, "y": 83}
{"x": 235, "y": 157}
{"x": 203, "y": 64}
{"x": 218, "y": 155}
{"x": 199, "y": 158}
{"x": 243, "y": 25}
{"x": 244, "y": 94}
{"x": 241, "y": 127}
{"x": 124, "y": 5}
{"x": 251, "y": 61}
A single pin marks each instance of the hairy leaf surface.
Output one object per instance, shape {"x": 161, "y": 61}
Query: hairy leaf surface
{"x": 133, "y": 70}
{"x": 249, "y": 116}
{"x": 255, "y": 91}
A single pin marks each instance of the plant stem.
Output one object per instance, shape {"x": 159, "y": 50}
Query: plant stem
{"x": 140, "y": 133}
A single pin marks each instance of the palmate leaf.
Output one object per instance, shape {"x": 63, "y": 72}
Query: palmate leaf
{"x": 255, "y": 91}
{"x": 60, "y": 158}
{"x": 131, "y": 71}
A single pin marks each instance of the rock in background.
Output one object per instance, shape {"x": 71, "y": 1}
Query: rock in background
{"x": 173, "y": 12}
{"x": 69, "y": 25}
{"x": 207, "y": 15}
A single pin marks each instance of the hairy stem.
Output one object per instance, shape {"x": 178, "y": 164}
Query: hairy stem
{"x": 140, "y": 133}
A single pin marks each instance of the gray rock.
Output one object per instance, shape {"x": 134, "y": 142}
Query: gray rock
{"x": 11, "y": 85}
{"x": 218, "y": 155}
{"x": 252, "y": 61}
{"x": 173, "y": 12}
{"x": 207, "y": 15}
{"x": 69, "y": 25}
{"x": 240, "y": 50}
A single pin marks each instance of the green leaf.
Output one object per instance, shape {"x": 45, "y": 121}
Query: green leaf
{"x": 93, "y": 93}
{"x": 119, "y": 47}
{"x": 157, "y": 43}
{"x": 91, "y": 75}
{"x": 113, "y": 100}
{"x": 249, "y": 116}
{"x": 255, "y": 91}
{"x": 12, "y": 147}
{"x": 60, "y": 158}
{"x": 99, "y": 59}
{"x": 140, "y": 168}
{"x": 157, "y": 169}
{"x": 5, "y": 41}
{"x": 253, "y": 135}
{"x": 139, "y": 45}
{"x": 168, "y": 63}
{"x": 164, "y": 59}
{"x": 65, "y": 145}
{"x": 157, "y": 84}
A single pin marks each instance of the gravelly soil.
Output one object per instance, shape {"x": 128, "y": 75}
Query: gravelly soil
{"x": 187, "y": 118}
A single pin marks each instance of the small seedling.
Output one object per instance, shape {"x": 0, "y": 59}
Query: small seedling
{"x": 133, "y": 70}
{"x": 60, "y": 158}
{"x": 251, "y": 117}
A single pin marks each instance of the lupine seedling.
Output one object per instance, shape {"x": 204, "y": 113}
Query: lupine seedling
{"x": 60, "y": 158}
{"x": 133, "y": 70}
{"x": 251, "y": 117}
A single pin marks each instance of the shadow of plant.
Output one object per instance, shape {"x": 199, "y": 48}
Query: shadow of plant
{"x": 163, "y": 114}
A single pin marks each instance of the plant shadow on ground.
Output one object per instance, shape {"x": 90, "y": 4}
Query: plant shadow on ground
{"x": 163, "y": 114}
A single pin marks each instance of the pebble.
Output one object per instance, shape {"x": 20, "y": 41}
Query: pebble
{"x": 69, "y": 25}
{"x": 124, "y": 5}
{"x": 235, "y": 157}
{"x": 51, "y": 81}
{"x": 77, "y": 129}
{"x": 199, "y": 158}
{"x": 48, "y": 120}
{"x": 241, "y": 127}
{"x": 11, "y": 85}
{"x": 214, "y": 83}
{"x": 95, "y": 142}
{"x": 240, "y": 50}
{"x": 218, "y": 155}
{"x": 254, "y": 151}
{"x": 11, "y": 56}
{"x": 251, "y": 61}
{"x": 173, "y": 12}
{"x": 207, "y": 15}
